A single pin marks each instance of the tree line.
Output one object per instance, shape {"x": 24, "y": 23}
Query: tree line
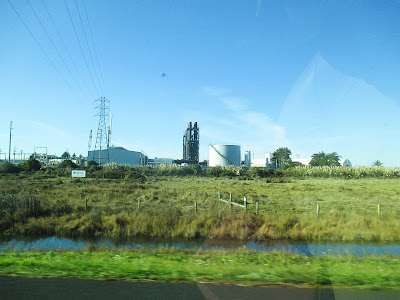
{"x": 281, "y": 158}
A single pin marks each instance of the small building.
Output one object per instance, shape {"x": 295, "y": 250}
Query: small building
{"x": 345, "y": 163}
{"x": 160, "y": 161}
{"x": 303, "y": 161}
{"x": 247, "y": 159}
{"x": 262, "y": 162}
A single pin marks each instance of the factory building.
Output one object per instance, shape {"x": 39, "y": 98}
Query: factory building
{"x": 224, "y": 155}
{"x": 118, "y": 155}
{"x": 262, "y": 162}
{"x": 247, "y": 159}
{"x": 153, "y": 162}
{"x": 191, "y": 144}
{"x": 345, "y": 163}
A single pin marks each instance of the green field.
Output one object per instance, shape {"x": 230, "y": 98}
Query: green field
{"x": 44, "y": 205}
{"x": 229, "y": 267}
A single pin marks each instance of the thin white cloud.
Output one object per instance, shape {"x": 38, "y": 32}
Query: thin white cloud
{"x": 50, "y": 128}
{"x": 214, "y": 92}
{"x": 253, "y": 130}
{"x": 259, "y": 3}
{"x": 235, "y": 103}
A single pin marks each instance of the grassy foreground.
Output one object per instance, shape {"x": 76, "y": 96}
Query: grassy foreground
{"x": 56, "y": 206}
{"x": 229, "y": 267}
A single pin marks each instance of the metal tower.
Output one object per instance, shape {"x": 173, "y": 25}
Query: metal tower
{"x": 101, "y": 147}
{"x": 191, "y": 144}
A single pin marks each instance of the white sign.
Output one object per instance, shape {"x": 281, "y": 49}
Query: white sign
{"x": 78, "y": 173}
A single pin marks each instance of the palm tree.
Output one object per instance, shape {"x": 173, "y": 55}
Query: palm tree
{"x": 325, "y": 159}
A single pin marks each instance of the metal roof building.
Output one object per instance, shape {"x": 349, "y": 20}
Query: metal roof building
{"x": 118, "y": 155}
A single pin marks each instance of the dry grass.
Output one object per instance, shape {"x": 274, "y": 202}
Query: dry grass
{"x": 288, "y": 209}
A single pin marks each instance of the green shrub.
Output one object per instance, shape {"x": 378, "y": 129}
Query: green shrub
{"x": 92, "y": 163}
{"x": 67, "y": 164}
{"x": 263, "y": 172}
{"x": 343, "y": 172}
{"x": 32, "y": 165}
{"x": 134, "y": 174}
{"x": 7, "y": 167}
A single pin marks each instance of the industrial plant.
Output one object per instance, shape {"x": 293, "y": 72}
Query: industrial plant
{"x": 105, "y": 152}
{"x": 191, "y": 144}
{"x": 119, "y": 156}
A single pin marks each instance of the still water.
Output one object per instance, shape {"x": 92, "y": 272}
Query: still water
{"x": 309, "y": 249}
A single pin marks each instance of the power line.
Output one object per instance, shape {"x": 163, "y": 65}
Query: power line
{"x": 62, "y": 40}
{"x": 80, "y": 46}
{"x": 94, "y": 47}
{"x": 51, "y": 41}
{"x": 41, "y": 48}
{"x": 90, "y": 52}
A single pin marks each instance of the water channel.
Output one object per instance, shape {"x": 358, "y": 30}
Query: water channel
{"x": 309, "y": 249}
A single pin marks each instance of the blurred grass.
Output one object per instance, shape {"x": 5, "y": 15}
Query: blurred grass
{"x": 348, "y": 208}
{"x": 233, "y": 267}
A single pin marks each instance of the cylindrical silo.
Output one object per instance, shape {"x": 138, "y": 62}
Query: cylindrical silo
{"x": 224, "y": 155}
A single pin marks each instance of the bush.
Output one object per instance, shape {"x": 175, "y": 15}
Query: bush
{"x": 7, "y": 167}
{"x": 215, "y": 171}
{"x": 114, "y": 171}
{"x": 343, "y": 172}
{"x": 135, "y": 175}
{"x": 92, "y": 163}
{"x": 32, "y": 165}
{"x": 263, "y": 172}
{"x": 67, "y": 164}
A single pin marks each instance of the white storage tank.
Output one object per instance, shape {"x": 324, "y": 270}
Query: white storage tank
{"x": 224, "y": 155}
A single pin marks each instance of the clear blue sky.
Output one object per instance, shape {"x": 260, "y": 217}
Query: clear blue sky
{"x": 312, "y": 76}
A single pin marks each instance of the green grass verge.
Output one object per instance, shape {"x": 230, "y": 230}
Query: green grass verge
{"x": 228, "y": 267}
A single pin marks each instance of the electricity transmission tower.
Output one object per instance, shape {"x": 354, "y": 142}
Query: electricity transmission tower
{"x": 101, "y": 147}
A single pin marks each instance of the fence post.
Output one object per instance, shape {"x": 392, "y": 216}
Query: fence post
{"x": 86, "y": 200}
{"x": 230, "y": 200}
{"x": 245, "y": 203}
{"x": 138, "y": 203}
{"x": 379, "y": 210}
{"x": 317, "y": 210}
{"x": 219, "y": 194}
{"x": 195, "y": 206}
{"x": 257, "y": 207}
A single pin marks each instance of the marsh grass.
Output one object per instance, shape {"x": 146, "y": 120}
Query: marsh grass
{"x": 233, "y": 267}
{"x": 348, "y": 208}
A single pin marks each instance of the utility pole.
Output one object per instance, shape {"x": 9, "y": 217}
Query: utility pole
{"x": 9, "y": 145}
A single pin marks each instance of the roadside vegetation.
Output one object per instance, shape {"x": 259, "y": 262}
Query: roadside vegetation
{"x": 120, "y": 201}
{"x": 230, "y": 267}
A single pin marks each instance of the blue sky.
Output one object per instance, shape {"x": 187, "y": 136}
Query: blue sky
{"x": 313, "y": 76}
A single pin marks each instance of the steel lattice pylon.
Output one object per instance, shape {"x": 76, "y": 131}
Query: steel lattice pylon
{"x": 101, "y": 147}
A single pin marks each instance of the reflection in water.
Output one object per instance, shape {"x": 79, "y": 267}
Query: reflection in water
{"x": 314, "y": 249}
